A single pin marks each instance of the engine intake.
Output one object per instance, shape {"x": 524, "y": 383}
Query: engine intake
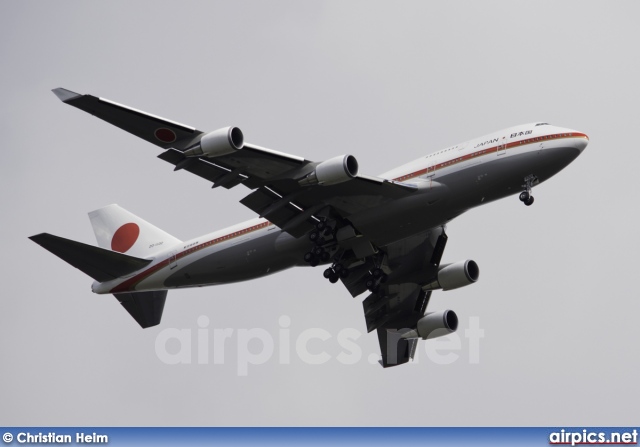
{"x": 333, "y": 171}
{"x": 453, "y": 276}
{"x": 434, "y": 325}
{"x": 218, "y": 142}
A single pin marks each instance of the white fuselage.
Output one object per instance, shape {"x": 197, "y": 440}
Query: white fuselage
{"x": 449, "y": 182}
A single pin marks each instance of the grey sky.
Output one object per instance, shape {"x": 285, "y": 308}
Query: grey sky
{"x": 385, "y": 81}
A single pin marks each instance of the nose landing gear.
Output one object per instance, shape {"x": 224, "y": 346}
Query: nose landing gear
{"x": 525, "y": 196}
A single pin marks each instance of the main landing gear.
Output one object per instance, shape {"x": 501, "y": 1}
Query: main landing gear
{"x": 376, "y": 277}
{"x": 323, "y": 238}
{"x": 335, "y": 272}
{"x": 325, "y": 248}
{"x": 373, "y": 280}
{"x": 525, "y": 196}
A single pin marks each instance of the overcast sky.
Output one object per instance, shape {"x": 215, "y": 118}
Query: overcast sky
{"x": 385, "y": 81}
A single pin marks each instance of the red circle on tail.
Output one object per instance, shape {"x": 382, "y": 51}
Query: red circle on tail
{"x": 124, "y": 237}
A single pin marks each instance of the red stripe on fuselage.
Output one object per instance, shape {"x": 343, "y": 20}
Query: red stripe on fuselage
{"x": 129, "y": 284}
{"x": 489, "y": 150}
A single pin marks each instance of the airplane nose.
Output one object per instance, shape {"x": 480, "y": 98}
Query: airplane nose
{"x": 581, "y": 141}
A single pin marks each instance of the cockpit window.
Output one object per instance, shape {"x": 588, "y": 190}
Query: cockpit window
{"x": 542, "y": 124}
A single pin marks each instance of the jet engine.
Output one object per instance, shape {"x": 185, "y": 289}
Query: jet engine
{"x": 433, "y": 325}
{"x": 453, "y": 276}
{"x": 218, "y": 142}
{"x": 333, "y": 171}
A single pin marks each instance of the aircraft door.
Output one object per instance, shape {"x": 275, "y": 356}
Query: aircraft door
{"x": 502, "y": 146}
{"x": 431, "y": 171}
{"x": 173, "y": 263}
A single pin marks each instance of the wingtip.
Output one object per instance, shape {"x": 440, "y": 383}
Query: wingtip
{"x": 65, "y": 95}
{"x": 37, "y": 238}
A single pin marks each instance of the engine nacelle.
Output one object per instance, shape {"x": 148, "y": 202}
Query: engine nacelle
{"x": 433, "y": 325}
{"x": 453, "y": 276}
{"x": 333, "y": 171}
{"x": 219, "y": 142}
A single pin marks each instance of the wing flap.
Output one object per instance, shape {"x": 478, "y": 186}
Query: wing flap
{"x": 251, "y": 165}
{"x": 376, "y": 311}
{"x": 353, "y": 196}
{"x": 260, "y": 200}
{"x": 355, "y": 282}
{"x": 259, "y": 166}
{"x": 280, "y": 211}
{"x": 394, "y": 349}
{"x": 199, "y": 167}
{"x": 265, "y": 163}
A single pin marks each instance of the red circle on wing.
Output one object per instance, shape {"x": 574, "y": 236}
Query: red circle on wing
{"x": 124, "y": 237}
{"x": 165, "y": 135}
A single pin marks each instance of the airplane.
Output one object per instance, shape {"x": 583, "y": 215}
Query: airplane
{"x": 384, "y": 234}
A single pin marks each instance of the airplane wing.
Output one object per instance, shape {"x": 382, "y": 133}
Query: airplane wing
{"x": 399, "y": 302}
{"x": 274, "y": 176}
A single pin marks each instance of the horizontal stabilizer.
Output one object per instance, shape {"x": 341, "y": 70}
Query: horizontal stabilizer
{"x": 100, "y": 264}
{"x": 145, "y": 307}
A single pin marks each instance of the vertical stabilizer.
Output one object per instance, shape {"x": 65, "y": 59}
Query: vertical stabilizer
{"x": 119, "y": 230}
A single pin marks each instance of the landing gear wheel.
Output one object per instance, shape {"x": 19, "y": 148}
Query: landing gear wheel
{"x": 325, "y": 256}
{"x": 321, "y": 225}
{"x": 529, "y": 201}
{"x": 340, "y": 270}
{"x": 334, "y": 278}
{"x": 524, "y": 196}
{"x": 328, "y": 273}
{"x": 318, "y": 251}
{"x": 313, "y": 236}
{"x": 377, "y": 273}
{"x": 370, "y": 284}
{"x": 308, "y": 257}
